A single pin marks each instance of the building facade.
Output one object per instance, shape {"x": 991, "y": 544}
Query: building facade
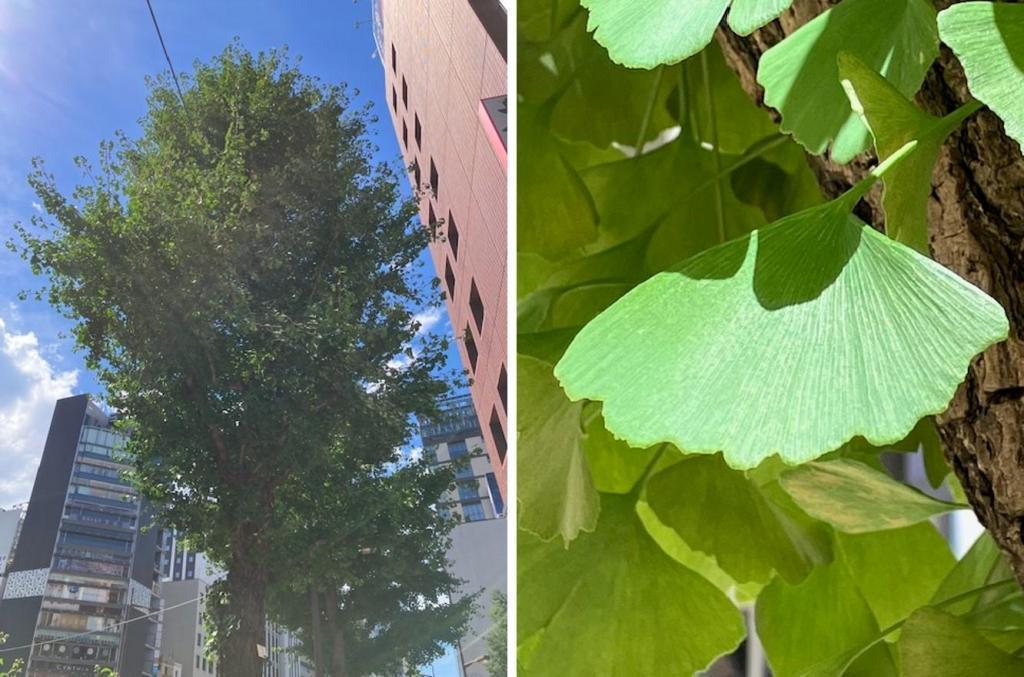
{"x": 83, "y": 588}
{"x": 10, "y": 528}
{"x": 456, "y": 439}
{"x": 179, "y": 563}
{"x": 478, "y": 550}
{"x": 446, "y": 86}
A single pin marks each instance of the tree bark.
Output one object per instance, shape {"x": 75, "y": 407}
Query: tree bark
{"x": 976, "y": 224}
{"x": 318, "y": 639}
{"x": 339, "y": 660}
{"x": 246, "y": 587}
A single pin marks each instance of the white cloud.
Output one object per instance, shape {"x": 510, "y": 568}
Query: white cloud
{"x": 38, "y": 207}
{"x": 30, "y": 387}
{"x": 428, "y": 319}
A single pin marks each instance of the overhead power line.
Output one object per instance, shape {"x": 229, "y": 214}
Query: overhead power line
{"x": 160, "y": 37}
{"x": 94, "y": 632}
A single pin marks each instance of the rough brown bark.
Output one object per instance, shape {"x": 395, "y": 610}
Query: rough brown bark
{"x": 976, "y": 222}
{"x": 318, "y": 641}
{"x": 246, "y": 587}
{"x": 339, "y": 658}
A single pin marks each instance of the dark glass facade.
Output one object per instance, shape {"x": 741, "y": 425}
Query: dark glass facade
{"x": 83, "y": 576}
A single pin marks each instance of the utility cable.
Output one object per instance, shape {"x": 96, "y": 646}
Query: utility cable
{"x": 167, "y": 56}
{"x": 95, "y": 632}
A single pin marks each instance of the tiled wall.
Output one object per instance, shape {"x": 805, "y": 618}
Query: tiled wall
{"x": 450, "y": 65}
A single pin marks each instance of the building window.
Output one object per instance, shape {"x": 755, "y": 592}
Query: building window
{"x": 471, "y": 350}
{"x": 394, "y": 99}
{"x": 449, "y": 279}
{"x": 431, "y": 219}
{"x": 473, "y": 512}
{"x": 417, "y": 131}
{"x": 453, "y": 236}
{"x": 469, "y": 490}
{"x": 405, "y": 93}
{"x": 476, "y": 306}
{"x": 199, "y": 639}
{"x": 405, "y": 135}
{"x": 499, "y": 435}
{"x": 416, "y": 173}
{"x": 394, "y": 59}
{"x": 503, "y": 389}
{"x": 496, "y": 500}
{"x": 197, "y": 661}
{"x": 433, "y": 178}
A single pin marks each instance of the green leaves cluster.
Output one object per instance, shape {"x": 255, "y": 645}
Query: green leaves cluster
{"x": 713, "y": 359}
{"x": 241, "y": 277}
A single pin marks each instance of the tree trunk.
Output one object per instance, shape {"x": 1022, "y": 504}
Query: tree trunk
{"x": 318, "y": 638}
{"x": 339, "y": 661}
{"x": 976, "y": 223}
{"x": 246, "y": 587}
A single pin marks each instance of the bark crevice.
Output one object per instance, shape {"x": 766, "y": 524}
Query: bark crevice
{"x": 976, "y": 228}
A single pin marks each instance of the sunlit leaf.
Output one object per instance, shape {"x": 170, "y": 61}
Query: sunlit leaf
{"x": 988, "y": 38}
{"x": 788, "y": 341}
{"x": 893, "y": 121}
{"x": 646, "y": 34}
{"x": 800, "y": 75}
{"x": 856, "y": 498}
{"x": 614, "y": 604}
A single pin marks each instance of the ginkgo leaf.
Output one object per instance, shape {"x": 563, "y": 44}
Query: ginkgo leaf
{"x": 557, "y": 496}
{"x": 654, "y": 32}
{"x": 788, "y": 341}
{"x": 988, "y": 39}
{"x": 893, "y": 121}
{"x": 614, "y": 604}
{"x": 897, "y": 570}
{"x": 803, "y": 626}
{"x": 856, "y": 498}
{"x": 556, "y": 213}
{"x": 751, "y": 538}
{"x": 800, "y": 76}
{"x": 614, "y": 465}
{"x": 934, "y": 643}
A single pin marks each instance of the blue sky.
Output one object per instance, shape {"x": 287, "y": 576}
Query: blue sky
{"x": 71, "y": 73}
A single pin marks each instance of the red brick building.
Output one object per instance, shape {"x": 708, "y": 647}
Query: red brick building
{"x": 446, "y": 84}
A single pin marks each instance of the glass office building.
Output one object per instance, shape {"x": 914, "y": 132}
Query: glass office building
{"x": 83, "y": 582}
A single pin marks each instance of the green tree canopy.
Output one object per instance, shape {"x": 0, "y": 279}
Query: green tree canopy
{"x": 240, "y": 276}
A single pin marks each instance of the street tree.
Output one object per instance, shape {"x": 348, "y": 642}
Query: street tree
{"x": 241, "y": 276}
{"x": 365, "y": 576}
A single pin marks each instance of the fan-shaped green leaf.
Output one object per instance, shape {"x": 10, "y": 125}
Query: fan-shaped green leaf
{"x": 897, "y": 570}
{"x": 788, "y": 341}
{"x": 937, "y": 644}
{"x": 800, "y": 76}
{"x": 804, "y": 626}
{"x": 615, "y": 466}
{"x": 988, "y": 38}
{"x": 557, "y": 496}
{"x": 556, "y": 213}
{"x": 894, "y": 121}
{"x": 855, "y": 498}
{"x": 718, "y": 511}
{"x": 647, "y": 34}
{"x": 614, "y": 604}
